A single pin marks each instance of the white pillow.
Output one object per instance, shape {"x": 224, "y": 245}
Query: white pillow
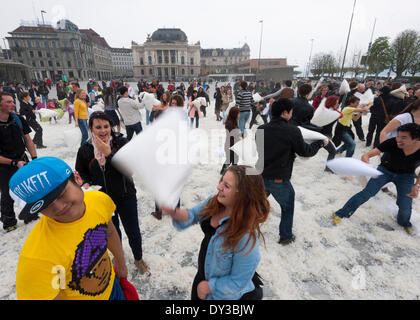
{"x": 156, "y": 159}
{"x": 324, "y": 116}
{"x": 310, "y": 136}
{"x": 246, "y": 149}
{"x": 150, "y": 101}
{"x": 47, "y": 113}
{"x": 344, "y": 88}
{"x": 352, "y": 167}
{"x": 257, "y": 98}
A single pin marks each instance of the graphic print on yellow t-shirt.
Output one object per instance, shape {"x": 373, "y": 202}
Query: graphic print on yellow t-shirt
{"x": 69, "y": 259}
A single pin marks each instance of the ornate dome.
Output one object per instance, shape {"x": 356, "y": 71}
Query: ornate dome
{"x": 169, "y": 35}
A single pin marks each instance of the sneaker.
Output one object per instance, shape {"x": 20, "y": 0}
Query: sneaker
{"x": 409, "y": 230}
{"x": 157, "y": 215}
{"x": 285, "y": 242}
{"x": 336, "y": 219}
{"x": 10, "y": 229}
{"x": 142, "y": 267}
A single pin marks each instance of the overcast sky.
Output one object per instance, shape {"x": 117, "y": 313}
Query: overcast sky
{"x": 288, "y": 26}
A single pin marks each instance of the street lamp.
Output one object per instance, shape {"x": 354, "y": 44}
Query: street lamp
{"x": 259, "y": 58}
{"x": 310, "y": 59}
{"x": 42, "y": 14}
{"x": 347, "y": 44}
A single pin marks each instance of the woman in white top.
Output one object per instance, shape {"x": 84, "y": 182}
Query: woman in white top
{"x": 411, "y": 115}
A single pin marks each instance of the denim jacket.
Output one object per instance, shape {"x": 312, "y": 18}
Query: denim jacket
{"x": 229, "y": 272}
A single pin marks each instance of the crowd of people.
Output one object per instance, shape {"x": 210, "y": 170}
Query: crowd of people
{"x": 80, "y": 226}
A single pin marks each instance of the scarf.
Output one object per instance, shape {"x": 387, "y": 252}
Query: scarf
{"x": 99, "y": 156}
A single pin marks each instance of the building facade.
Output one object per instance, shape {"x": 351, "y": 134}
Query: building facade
{"x": 220, "y": 60}
{"x": 122, "y": 63}
{"x": 166, "y": 55}
{"x": 101, "y": 53}
{"x": 54, "y": 53}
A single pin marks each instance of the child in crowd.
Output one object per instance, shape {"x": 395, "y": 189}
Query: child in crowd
{"x": 51, "y": 106}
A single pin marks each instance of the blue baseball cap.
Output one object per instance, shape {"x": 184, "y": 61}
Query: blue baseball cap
{"x": 40, "y": 183}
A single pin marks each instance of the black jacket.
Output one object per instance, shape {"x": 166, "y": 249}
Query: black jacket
{"x": 112, "y": 181}
{"x": 282, "y": 142}
{"x": 377, "y": 109}
{"x": 303, "y": 112}
{"x": 27, "y": 110}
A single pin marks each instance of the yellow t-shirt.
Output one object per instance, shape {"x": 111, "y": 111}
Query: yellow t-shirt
{"x": 80, "y": 109}
{"x": 347, "y": 116}
{"x": 70, "y": 259}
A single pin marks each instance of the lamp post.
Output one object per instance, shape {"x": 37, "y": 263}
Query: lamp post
{"x": 347, "y": 44}
{"x": 370, "y": 47}
{"x": 310, "y": 59}
{"x": 42, "y": 14}
{"x": 259, "y": 58}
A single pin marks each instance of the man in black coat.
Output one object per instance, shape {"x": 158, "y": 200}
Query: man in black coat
{"x": 377, "y": 118}
{"x": 28, "y": 111}
{"x": 278, "y": 142}
{"x": 14, "y": 140}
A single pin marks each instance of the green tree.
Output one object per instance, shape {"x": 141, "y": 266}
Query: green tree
{"x": 405, "y": 50}
{"x": 380, "y": 56}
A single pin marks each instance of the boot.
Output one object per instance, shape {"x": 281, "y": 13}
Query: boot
{"x": 157, "y": 214}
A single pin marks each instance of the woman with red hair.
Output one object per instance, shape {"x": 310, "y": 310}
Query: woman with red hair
{"x": 230, "y": 220}
{"x": 332, "y": 103}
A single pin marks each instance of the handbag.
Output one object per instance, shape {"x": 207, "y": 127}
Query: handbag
{"x": 388, "y": 117}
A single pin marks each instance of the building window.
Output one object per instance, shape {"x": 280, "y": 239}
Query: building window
{"x": 71, "y": 74}
{"x": 75, "y": 45}
{"x": 142, "y": 72}
{"x": 29, "y": 44}
{"x": 41, "y": 63}
{"x": 58, "y": 64}
{"x": 40, "y": 54}
{"x": 69, "y": 64}
{"x": 183, "y": 71}
{"x": 151, "y": 71}
{"x": 46, "y": 45}
{"x": 54, "y": 44}
{"x": 37, "y": 44}
{"x": 182, "y": 60}
{"x": 33, "y": 64}
{"x": 160, "y": 59}
{"x": 166, "y": 59}
{"x": 56, "y": 54}
{"x": 50, "y": 63}
{"x": 192, "y": 61}
{"x": 150, "y": 60}
{"x": 192, "y": 71}
{"x": 48, "y": 54}
{"x": 141, "y": 61}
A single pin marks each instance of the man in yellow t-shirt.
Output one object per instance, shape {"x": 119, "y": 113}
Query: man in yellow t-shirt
{"x": 66, "y": 254}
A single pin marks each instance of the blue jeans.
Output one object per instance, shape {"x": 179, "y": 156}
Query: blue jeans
{"x": 403, "y": 182}
{"x": 349, "y": 145}
{"x": 45, "y": 100}
{"x": 243, "y": 119}
{"x": 147, "y": 117}
{"x": 127, "y": 211}
{"x": 224, "y": 115}
{"x": 197, "y": 120}
{"x": 83, "y": 126}
{"x": 284, "y": 194}
{"x": 137, "y": 128}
